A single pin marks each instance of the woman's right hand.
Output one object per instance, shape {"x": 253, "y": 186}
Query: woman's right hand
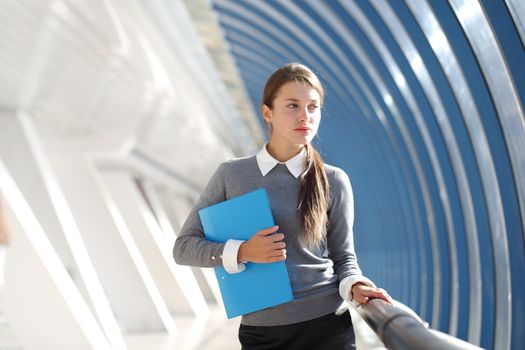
{"x": 263, "y": 247}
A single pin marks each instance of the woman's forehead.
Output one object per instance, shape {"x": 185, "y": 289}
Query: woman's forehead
{"x": 296, "y": 91}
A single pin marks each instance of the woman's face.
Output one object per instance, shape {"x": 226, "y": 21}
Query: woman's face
{"x": 295, "y": 115}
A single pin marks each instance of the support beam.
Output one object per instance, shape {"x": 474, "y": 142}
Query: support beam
{"x": 38, "y": 286}
{"x": 176, "y": 284}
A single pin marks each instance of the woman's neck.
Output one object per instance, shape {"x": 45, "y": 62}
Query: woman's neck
{"x": 283, "y": 153}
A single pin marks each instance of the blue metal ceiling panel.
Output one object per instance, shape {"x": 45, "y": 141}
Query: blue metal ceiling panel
{"x": 411, "y": 116}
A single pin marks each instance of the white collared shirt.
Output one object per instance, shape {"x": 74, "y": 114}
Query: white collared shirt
{"x": 266, "y": 162}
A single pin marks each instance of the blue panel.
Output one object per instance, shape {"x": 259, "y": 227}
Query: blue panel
{"x": 509, "y": 41}
{"x": 416, "y": 139}
{"x": 514, "y": 52}
{"x": 398, "y": 146}
{"x": 448, "y": 175}
{"x": 515, "y": 56}
{"x": 391, "y": 230}
{"x": 471, "y": 167}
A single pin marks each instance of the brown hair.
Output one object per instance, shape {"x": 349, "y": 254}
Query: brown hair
{"x": 314, "y": 194}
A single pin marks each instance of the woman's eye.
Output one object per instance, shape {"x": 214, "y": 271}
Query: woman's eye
{"x": 292, "y": 105}
{"x": 313, "y": 107}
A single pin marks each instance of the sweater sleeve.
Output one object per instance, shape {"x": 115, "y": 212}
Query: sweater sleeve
{"x": 340, "y": 237}
{"x": 191, "y": 247}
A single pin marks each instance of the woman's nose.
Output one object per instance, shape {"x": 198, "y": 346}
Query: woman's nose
{"x": 304, "y": 114}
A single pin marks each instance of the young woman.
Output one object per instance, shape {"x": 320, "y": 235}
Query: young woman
{"x": 312, "y": 205}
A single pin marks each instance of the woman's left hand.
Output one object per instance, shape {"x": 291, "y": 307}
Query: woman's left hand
{"x": 363, "y": 293}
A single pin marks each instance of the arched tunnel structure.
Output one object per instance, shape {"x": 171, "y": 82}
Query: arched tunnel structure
{"x": 423, "y": 110}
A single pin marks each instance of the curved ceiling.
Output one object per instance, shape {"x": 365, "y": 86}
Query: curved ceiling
{"x": 424, "y": 110}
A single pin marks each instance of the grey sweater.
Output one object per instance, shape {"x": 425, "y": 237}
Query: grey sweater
{"x": 314, "y": 273}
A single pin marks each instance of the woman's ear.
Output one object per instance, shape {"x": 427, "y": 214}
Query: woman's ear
{"x": 267, "y": 113}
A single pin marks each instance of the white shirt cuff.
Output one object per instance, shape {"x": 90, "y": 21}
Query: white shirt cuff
{"x": 229, "y": 257}
{"x": 345, "y": 287}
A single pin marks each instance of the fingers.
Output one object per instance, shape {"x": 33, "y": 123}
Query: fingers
{"x": 276, "y": 237}
{"x": 277, "y": 249}
{"x": 380, "y": 293}
{"x": 281, "y": 256}
{"x": 267, "y": 231}
{"x": 363, "y": 300}
{"x": 363, "y": 294}
{"x": 279, "y": 245}
{"x": 274, "y": 241}
{"x": 375, "y": 292}
{"x": 267, "y": 246}
{"x": 386, "y": 297}
{"x": 278, "y": 253}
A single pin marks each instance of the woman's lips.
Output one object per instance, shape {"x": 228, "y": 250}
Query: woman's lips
{"x": 304, "y": 131}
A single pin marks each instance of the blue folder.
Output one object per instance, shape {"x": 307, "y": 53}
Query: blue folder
{"x": 259, "y": 286}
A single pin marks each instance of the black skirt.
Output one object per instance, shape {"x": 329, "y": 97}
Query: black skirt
{"x": 330, "y": 332}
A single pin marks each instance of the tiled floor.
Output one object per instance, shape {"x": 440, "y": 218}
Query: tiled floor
{"x": 8, "y": 340}
{"x": 215, "y": 333}
{"x": 221, "y": 334}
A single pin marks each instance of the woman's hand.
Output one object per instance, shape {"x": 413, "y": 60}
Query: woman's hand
{"x": 363, "y": 293}
{"x": 263, "y": 247}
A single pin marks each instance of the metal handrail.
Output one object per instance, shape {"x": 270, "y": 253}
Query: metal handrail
{"x": 399, "y": 329}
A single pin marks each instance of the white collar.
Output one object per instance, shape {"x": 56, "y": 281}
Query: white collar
{"x": 266, "y": 162}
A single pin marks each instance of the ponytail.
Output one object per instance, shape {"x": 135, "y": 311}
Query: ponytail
{"x": 314, "y": 198}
